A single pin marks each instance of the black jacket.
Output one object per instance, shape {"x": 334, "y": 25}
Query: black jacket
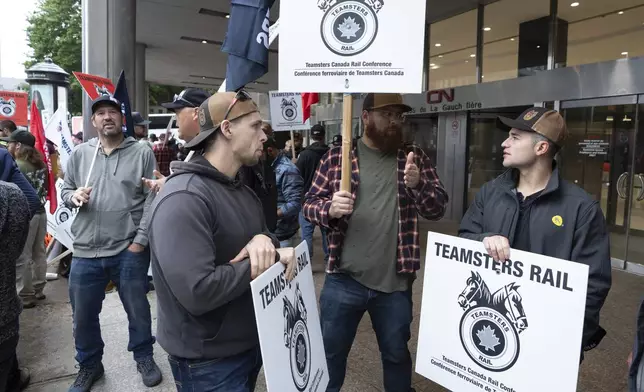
{"x": 14, "y": 227}
{"x": 201, "y": 220}
{"x": 308, "y": 162}
{"x": 582, "y": 238}
{"x": 261, "y": 180}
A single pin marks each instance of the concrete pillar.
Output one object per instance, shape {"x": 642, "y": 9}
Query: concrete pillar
{"x": 94, "y": 21}
{"x": 141, "y": 86}
{"x": 109, "y": 37}
{"x": 121, "y": 21}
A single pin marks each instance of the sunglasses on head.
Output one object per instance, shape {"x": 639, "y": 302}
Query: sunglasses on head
{"x": 241, "y": 96}
{"x": 178, "y": 97}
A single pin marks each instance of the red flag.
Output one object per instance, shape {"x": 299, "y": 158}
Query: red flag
{"x": 308, "y": 99}
{"x": 38, "y": 130}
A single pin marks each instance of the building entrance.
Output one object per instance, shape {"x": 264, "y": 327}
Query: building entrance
{"x": 604, "y": 154}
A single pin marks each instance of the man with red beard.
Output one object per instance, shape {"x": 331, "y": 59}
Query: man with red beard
{"x": 374, "y": 251}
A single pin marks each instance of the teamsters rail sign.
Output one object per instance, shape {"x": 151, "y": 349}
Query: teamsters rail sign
{"x": 289, "y": 328}
{"x": 287, "y": 111}
{"x": 488, "y": 326}
{"x": 351, "y": 46}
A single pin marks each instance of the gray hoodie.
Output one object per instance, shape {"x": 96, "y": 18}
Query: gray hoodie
{"x": 116, "y": 215}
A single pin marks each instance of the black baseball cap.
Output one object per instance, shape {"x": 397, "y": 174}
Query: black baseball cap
{"x": 544, "y": 121}
{"x": 317, "y": 130}
{"x": 188, "y": 98}
{"x": 105, "y": 100}
{"x": 137, "y": 118}
{"x": 21, "y": 136}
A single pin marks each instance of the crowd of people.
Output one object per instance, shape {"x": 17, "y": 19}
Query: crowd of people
{"x": 208, "y": 225}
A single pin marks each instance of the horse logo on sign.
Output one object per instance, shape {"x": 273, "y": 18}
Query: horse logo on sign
{"x": 7, "y": 107}
{"x": 296, "y": 338}
{"x": 491, "y": 324}
{"x": 289, "y": 109}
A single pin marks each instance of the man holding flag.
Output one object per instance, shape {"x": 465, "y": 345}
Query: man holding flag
{"x": 111, "y": 241}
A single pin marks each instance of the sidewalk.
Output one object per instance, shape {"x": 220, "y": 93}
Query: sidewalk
{"x": 47, "y": 345}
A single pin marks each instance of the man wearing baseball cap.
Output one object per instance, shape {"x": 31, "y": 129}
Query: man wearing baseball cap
{"x": 374, "y": 249}
{"x": 186, "y": 106}
{"x": 205, "y": 307}
{"x": 141, "y": 128}
{"x": 531, "y": 208}
{"x": 111, "y": 241}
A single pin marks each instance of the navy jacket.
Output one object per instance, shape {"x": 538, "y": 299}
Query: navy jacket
{"x": 9, "y": 172}
{"x": 289, "y": 196}
{"x": 582, "y": 238}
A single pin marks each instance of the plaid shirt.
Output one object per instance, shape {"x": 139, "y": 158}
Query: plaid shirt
{"x": 164, "y": 155}
{"x": 429, "y": 200}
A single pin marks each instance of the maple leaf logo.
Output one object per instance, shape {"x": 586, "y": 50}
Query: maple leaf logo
{"x": 487, "y": 338}
{"x": 301, "y": 354}
{"x": 349, "y": 28}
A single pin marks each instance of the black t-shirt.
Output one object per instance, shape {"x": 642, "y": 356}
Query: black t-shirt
{"x": 522, "y": 234}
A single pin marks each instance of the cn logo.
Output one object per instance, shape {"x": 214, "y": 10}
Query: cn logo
{"x": 435, "y": 97}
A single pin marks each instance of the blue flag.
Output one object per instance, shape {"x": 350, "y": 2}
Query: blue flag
{"x": 247, "y": 42}
{"x": 121, "y": 94}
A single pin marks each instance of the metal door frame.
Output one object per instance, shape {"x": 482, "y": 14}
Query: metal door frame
{"x": 636, "y": 100}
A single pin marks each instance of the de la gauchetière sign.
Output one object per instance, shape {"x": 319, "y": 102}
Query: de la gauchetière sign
{"x": 443, "y": 100}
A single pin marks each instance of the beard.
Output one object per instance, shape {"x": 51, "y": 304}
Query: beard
{"x": 387, "y": 140}
{"x": 114, "y": 131}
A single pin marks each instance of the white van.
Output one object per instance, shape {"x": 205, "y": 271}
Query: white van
{"x": 158, "y": 124}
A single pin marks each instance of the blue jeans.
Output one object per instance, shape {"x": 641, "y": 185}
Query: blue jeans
{"x": 343, "y": 301}
{"x": 233, "y": 374}
{"x": 307, "y": 232}
{"x": 87, "y": 281}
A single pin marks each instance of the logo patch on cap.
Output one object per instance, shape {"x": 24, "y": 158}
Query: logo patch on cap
{"x": 530, "y": 115}
{"x": 202, "y": 117}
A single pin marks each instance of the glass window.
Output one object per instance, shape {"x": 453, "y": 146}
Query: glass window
{"x": 603, "y": 30}
{"x": 452, "y": 43}
{"x": 501, "y": 35}
{"x": 485, "y": 152}
{"x": 423, "y": 131}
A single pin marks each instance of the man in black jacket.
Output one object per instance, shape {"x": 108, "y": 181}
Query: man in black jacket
{"x": 14, "y": 227}
{"x": 206, "y": 319}
{"x": 531, "y": 208}
{"x": 307, "y": 163}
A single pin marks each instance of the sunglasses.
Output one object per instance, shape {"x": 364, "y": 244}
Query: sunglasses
{"x": 179, "y": 98}
{"x": 241, "y": 96}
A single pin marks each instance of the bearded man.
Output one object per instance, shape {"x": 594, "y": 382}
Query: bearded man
{"x": 374, "y": 250}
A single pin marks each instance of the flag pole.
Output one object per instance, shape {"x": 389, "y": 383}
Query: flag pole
{"x": 347, "y": 116}
{"x": 273, "y": 32}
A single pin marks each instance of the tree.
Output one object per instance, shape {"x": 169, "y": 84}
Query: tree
{"x": 55, "y": 31}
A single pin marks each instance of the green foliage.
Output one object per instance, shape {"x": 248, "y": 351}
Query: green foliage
{"x": 55, "y": 31}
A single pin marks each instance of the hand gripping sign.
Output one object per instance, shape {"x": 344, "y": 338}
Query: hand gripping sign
{"x": 289, "y": 327}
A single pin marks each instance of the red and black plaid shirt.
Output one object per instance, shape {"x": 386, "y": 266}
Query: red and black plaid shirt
{"x": 164, "y": 156}
{"x": 429, "y": 200}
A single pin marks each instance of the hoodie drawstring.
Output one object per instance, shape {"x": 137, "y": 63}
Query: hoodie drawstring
{"x": 118, "y": 155}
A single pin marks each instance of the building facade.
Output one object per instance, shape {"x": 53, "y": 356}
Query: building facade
{"x": 578, "y": 57}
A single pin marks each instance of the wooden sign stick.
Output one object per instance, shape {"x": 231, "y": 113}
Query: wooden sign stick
{"x": 347, "y": 115}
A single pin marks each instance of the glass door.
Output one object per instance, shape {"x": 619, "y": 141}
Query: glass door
{"x": 635, "y": 248}
{"x": 598, "y": 156}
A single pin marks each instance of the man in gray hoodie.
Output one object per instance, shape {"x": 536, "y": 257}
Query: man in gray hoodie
{"x": 110, "y": 241}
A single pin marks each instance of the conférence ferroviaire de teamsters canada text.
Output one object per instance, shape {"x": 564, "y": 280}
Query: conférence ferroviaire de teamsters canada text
{"x": 349, "y": 68}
